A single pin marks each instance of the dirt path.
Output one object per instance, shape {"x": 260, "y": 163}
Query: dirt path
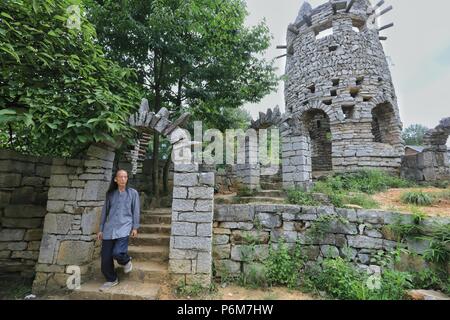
{"x": 390, "y": 200}
{"x": 234, "y": 292}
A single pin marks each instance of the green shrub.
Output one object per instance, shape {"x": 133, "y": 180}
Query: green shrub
{"x": 438, "y": 251}
{"x": 341, "y": 280}
{"x": 282, "y": 267}
{"x": 418, "y": 198}
{"x": 299, "y": 197}
{"x": 367, "y": 181}
{"x": 361, "y": 200}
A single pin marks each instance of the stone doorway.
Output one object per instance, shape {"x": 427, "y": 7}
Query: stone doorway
{"x": 318, "y": 130}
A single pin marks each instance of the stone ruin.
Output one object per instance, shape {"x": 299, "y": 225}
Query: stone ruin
{"x": 432, "y": 164}
{"x": 341, "y": 107}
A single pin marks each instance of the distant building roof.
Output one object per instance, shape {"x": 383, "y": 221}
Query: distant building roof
{"x": 416, "y": 148}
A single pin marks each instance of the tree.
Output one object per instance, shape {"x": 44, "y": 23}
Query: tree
{"x": 413, "y": 135}
{"x": 58, "y": 93}
{"x": 194, "y": 55}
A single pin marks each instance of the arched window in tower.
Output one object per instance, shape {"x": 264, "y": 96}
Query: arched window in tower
{"x": 384, "y": 124}
{"x": 317, "y": 123}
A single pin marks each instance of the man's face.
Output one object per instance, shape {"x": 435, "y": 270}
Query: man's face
{"x": 121, "y": 178}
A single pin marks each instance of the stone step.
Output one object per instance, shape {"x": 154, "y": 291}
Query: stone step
{"x": 156, "y": 239}
{"x": 158, "y": 211}
{"x": 156, "y": 219}
{"x": 261, "y": 200}
{"x": 125, "y": 290}
{"x": 271, "y": 186}
{"x": 271, "y": 193}
{"x": 149, "y": 253}
{"x": 149, "y": 271}
{"x": 154, "y": 228}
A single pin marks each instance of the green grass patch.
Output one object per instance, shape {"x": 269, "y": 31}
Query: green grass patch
{"x": 418, "y": 198}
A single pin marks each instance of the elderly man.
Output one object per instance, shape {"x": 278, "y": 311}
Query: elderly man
{"x": 119, "y": 220}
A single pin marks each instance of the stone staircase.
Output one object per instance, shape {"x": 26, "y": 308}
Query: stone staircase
{"x": 271, "y": 192}
{"x": 150, "y": 253}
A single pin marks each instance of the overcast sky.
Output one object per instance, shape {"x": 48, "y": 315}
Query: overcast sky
{"x": 418, "y": 48}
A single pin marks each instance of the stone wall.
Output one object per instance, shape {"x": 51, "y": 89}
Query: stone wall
{"x": 24, "y": 183}
{"x": 75, "y": 200}
{"x": 432, "y": 164}
{"x": 192, "y": 217}
{"x": 356, "y": 234}
{"x": 428, "y": 165}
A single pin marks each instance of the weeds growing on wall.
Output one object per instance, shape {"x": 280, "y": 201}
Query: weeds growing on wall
{"x": 282, "y": 267}
{"x": 301, "y": 198}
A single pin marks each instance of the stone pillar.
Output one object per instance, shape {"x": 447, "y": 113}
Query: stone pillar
{"x": 192, "y": 217}
{"x": 296, "y": 159}
{"x": 75, "y": 200}
{"x": 250, "y": 172}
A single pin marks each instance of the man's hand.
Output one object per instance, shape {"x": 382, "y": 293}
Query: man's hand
{"x": 100, "y": 236}
{"x": 134, "y": 233}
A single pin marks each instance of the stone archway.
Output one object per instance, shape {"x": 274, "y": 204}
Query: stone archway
{"x": 76, "y": 197}
{"x": 316, "y": 124}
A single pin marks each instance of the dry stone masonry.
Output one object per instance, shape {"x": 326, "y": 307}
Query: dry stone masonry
{"x": 192, "y": 217}
{"x": 243, "y": 234}
{"x": 341, "y": 106}
{"x": 432, "y": 164}
{"x": 75, "y": 200}
{"x": 24, "y": 184}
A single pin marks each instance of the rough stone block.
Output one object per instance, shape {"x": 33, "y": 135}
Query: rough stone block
{"x": 57, "y": 223}
{"x": 204, "y": 229}
{"x": 95, "y": 190}
{"x": 56, "y": 193}
{"x": 221, "y": 239}
{"x": 22, "y": 223}
{"x": 221, "y": 251}
{"x": 204, "y": 205}
{"x": 90, "y": 221}
{"x": 249, "y": 237}
{"x": 195, "y": 243}
{"x": 269, "y": 220}
{"x": 184, "y": 229}
{"x": 183, "y": 205}
{"x": 235, "y": 213}
{"x": 207, "y": 179}
{"x": 250, "y": 253}
{"x": 199, "y": 217}
{"x": 185, "y": 179}
{"x": 57, "y": 180}
{"x": 204, "y": 262}
{"x": 24, "y": 211}
{"x": 74, "y": 252}
{"x": 227, "y": 267}
{"x": 48, "y": 248}
{"x": 180, "y": 193}
{"x": 180, "y": 266}
{"x": 201, "y": 193}
{"x": 11, "y": 234}
{"x": 33, "y": 234}
{"x": 361, "y": 242}
{"x": 23, "y": 195}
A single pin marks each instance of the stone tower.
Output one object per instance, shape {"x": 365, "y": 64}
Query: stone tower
{"x": 339, "y": 94}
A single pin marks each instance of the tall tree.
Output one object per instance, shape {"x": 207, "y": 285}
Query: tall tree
{"x": 189, "y": 54}
{"x": 413, "y": 135}
{"x": 58, "y": 92}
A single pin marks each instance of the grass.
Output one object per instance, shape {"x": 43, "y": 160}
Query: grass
{"x": 350, "y": 188}
{"x": 418, "y": 198}
{"x": 14, "y": 288}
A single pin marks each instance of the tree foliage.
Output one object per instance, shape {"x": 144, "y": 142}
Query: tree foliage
{"x": 58, "y": 92}
{"x": 413, "y": 135}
